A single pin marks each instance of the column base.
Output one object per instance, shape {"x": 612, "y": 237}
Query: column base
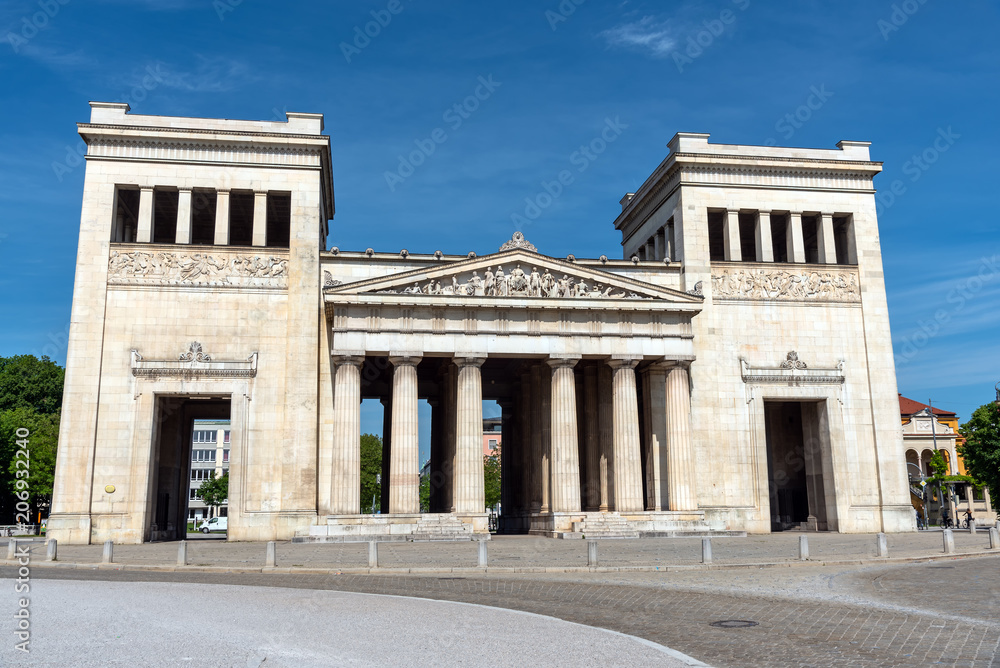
{"x": 69, "y": 528}
{"x": 398, "y": 527}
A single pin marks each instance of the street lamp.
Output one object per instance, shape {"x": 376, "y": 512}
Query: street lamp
{"x": 923, "y": 491}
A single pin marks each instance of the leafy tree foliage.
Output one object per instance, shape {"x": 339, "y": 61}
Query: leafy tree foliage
{"x": 214, "y": 492}
{"x": 371, "y": 468}
{"x": 33, "y": 475}
{"x": 981, "y": 451}
{"x": 30, "y": 398}
{"x": 425, "y": 492}
{"x": 491, "y": 478}
{"x": 29, "y": 382}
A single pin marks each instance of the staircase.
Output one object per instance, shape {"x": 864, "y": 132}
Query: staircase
{"x": 604, "y": 525}
{"x": 441, "y": 527}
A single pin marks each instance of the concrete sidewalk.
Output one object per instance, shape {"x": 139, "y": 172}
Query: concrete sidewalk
{"x": 514, "y": 554}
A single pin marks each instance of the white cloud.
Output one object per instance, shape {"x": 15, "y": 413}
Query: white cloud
{"x": 648, "y": 34}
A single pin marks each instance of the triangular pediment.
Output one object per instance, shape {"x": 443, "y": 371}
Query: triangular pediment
{"x": 516, "y": 273}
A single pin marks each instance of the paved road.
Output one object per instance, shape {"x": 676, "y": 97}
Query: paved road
{"x": 92, "y": 623}
{"x": 938, "y": 613}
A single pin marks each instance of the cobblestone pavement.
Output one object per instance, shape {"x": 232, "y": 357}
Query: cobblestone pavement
{"x": 943, "y": 612}
{"x": 527, "y": 552}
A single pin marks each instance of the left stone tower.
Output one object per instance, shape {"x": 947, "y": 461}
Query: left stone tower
{"x": 197, "y": 295}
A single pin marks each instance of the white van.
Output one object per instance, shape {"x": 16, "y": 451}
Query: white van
{"x": 215, "y": 524}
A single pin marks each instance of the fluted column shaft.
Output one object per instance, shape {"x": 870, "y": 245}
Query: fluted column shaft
{"x": 546, "y": 416}
{"x": 524, "y": 405}
{"x": 591, "y": 440}
{"x": 680, "y": 448}
{"x": 655, "y": 423}
{"x": 508, "y": 458}
{"x": 404, "y": 462}
{"x": 536, "y": 439}
{"x": 470, "y": 495}
{"x": 606, "y": 440}
{"x": 345, "y": 496}
{"x": 565, "y": 457}
{"x": 628, "y": 465}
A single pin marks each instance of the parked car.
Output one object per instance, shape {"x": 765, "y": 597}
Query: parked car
{"x": 215, "y": 524}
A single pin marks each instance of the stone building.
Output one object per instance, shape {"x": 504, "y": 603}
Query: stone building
{"x": 733, "y": 372}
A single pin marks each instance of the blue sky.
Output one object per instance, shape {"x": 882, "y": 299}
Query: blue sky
{"x": 897, "y": 74}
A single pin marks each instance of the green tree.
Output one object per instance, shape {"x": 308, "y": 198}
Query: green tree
{"x": 27, "y": 477}
{"x": 29, "y": 382}
{"x": 425, "y": 492}
{"x": 371, "y": 469}
{"x": 981, "y": 451}
{"x": 215, "y": 492}
{"x": 491, "y": 478}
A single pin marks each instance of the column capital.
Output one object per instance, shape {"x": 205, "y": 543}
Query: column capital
{"x": 146, "y": 188}
{"x": 563, "y": 361}
{"x": 623, "y": 362}
{"x": 184, "y": 190}
{"x": 468, "y": 360}
{"x": 353, "y": 358}
{"x": 222, "y": 191}
{"x": 763, "y": 212}
{"x": 404, "y": 359}
{"x": 678, "y": 361}
{"x": 258, "y": 193}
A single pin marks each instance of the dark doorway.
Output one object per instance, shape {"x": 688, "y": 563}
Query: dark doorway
{"x": 798, "y": 465}
{"x": 173, "y": 420}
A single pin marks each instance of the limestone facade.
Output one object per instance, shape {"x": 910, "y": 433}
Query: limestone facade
{"x": 733, "y": 372}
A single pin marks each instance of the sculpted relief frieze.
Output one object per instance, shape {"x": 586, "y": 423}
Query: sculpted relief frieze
{"x": 515, "y": 282}
{"x": 217, "y": 269}
{"x": 782, "y": 284}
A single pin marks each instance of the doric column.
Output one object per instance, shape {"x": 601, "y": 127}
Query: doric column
{"x": 565, "y": 457}
{"x": 591, "y": 440}
{"x": 827, "y": 245}
{"x": 793, "y": 238}
{"x": 654, "y": 386}
{"x": 437, "y": 455}
{"x": 508, "y": 458}
{"x": 731, "y": 236}
{"x": 606, "y": 440}
{"x": 680, "y": 448}
{"x": 658, "y": 251}
{"x": 144, "y": 231}
{"x": 470, "y": 496}
{"x": 345, "y": 496}
{"x": 221, "y": 217}
{"x": 260, "y": 218}
{"x": 404, "y": 467}
{"x": 183, "y": 233}
{"x": 536, "y": 439}
{"x": 628, "y": 463}
{"x": 762, "y": 235}
{"x": 448, "y": 380}
{"x": 545, "y": 408}
{"x": 989, "y": 503}
{"x": 524, "y": 411}
{"x": 383, "y": 485}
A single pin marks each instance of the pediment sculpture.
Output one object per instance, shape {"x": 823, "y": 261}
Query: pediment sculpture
{"x": 498, "y": 281}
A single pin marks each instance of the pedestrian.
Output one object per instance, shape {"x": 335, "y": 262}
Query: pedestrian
{"x": 920, "y": 519}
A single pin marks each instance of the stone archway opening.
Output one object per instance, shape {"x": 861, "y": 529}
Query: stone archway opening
{"x": 173, "y": 485}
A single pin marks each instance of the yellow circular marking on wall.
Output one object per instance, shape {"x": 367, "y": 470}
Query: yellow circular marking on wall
{"x": 110, "y": 489}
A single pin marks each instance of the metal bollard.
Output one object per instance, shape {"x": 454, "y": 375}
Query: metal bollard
{"x": 483, "y": 554}
{"x": 882, "y": 545}
{"x": 706, "y": 550}
{"x": 592, "y": 553}
{"x": 51, "y": 549}
{"x": 949, "y": 541}
{"x": 803, "y": 548}
{"x": 109, "y": 552}
{"x": 182, "y": 553}
{"x": 373, "y": 554}
{"x": 270, "y": 555}
{"x": 11, "y": 549}
{"x": 994, "y": 538}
